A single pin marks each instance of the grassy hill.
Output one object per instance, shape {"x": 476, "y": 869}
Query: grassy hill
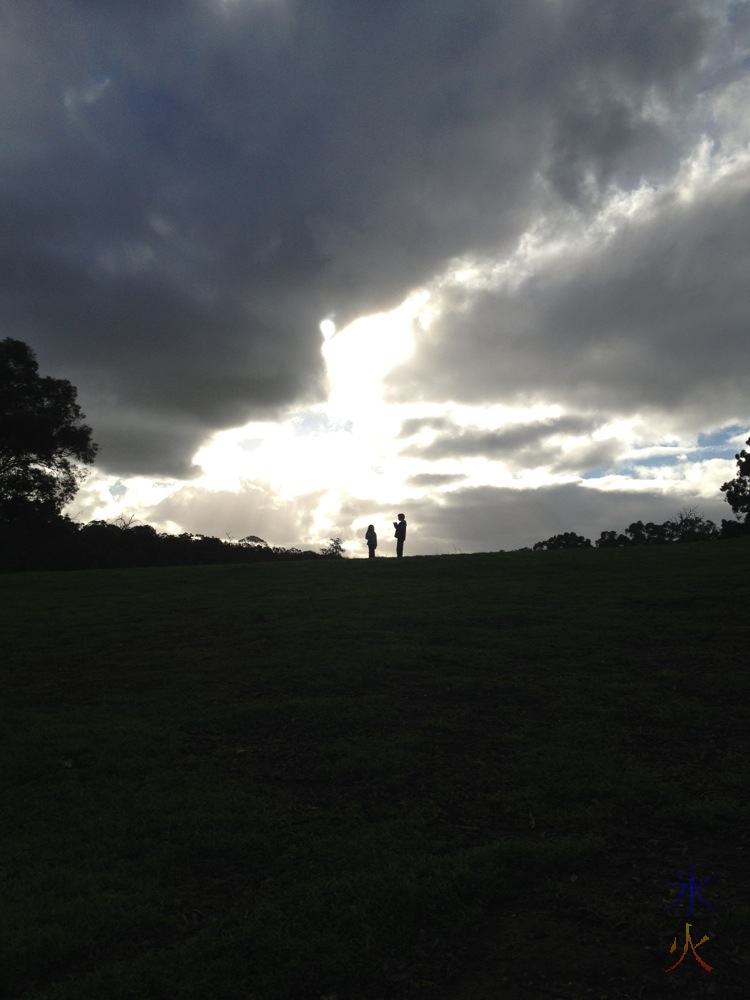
{"x": 448, "y": 778}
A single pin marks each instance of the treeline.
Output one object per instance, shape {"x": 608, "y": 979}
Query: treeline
{"x": 687, "y": 526}
{"x": 65, "y": 544}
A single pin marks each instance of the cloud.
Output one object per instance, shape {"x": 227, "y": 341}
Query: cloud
{"x": 511, "y": 442}
{"x": 648, "y": 317}
{"x": 414, "y": 425}
{"x": 432, "y": 479}
{"x": 255, "y": 510}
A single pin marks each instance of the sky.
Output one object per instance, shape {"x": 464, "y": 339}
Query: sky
{"x": 312, "y": 263}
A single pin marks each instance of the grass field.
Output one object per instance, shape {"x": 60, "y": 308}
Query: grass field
{"x": 443, "y": 778}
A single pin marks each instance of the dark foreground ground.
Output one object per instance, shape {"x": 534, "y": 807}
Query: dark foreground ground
{"x": 448, "y": 778}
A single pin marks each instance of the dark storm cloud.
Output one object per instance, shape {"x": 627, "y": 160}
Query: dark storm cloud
{"x": 518, "y": 441}
{"x": 654, "y": 318}
{"x": 434, "y": 479}
{"x": 188, "y": 188}
{"x": 599, "y": 456}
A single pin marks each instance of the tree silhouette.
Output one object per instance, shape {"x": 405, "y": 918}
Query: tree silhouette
{"x": 43, "y": 439}
{"x": 568, "y": 540}
{"x": 334, "y": 550}
{"x": 737, "y": 491}
{"x": 648, "y": 534}
{"x": 691, "y": 526}
{"x": 611, "y": 540}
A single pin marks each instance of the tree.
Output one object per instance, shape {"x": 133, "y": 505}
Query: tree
{"x": 611, "y": 540}
{"x": 648, "y": 534}
{"x": 253, "y": 542}
{"x": 568, "y": 540}
{"x": 691, "y": 526}
{"x": 43, "y": 439}
{"x": 737, "y": 491}
{"x": 334, "y": 550}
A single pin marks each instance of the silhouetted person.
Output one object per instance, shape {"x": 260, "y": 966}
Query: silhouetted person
{"x": 400, "y": 527}
{"x": 372, "y": 540}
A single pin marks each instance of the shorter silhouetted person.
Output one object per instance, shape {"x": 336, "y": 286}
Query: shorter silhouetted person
{"x": 372, "y": 540}
{"x": 400, "y": 527}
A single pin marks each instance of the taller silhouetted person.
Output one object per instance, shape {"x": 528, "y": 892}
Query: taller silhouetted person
{"x": 400, "y": 527}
